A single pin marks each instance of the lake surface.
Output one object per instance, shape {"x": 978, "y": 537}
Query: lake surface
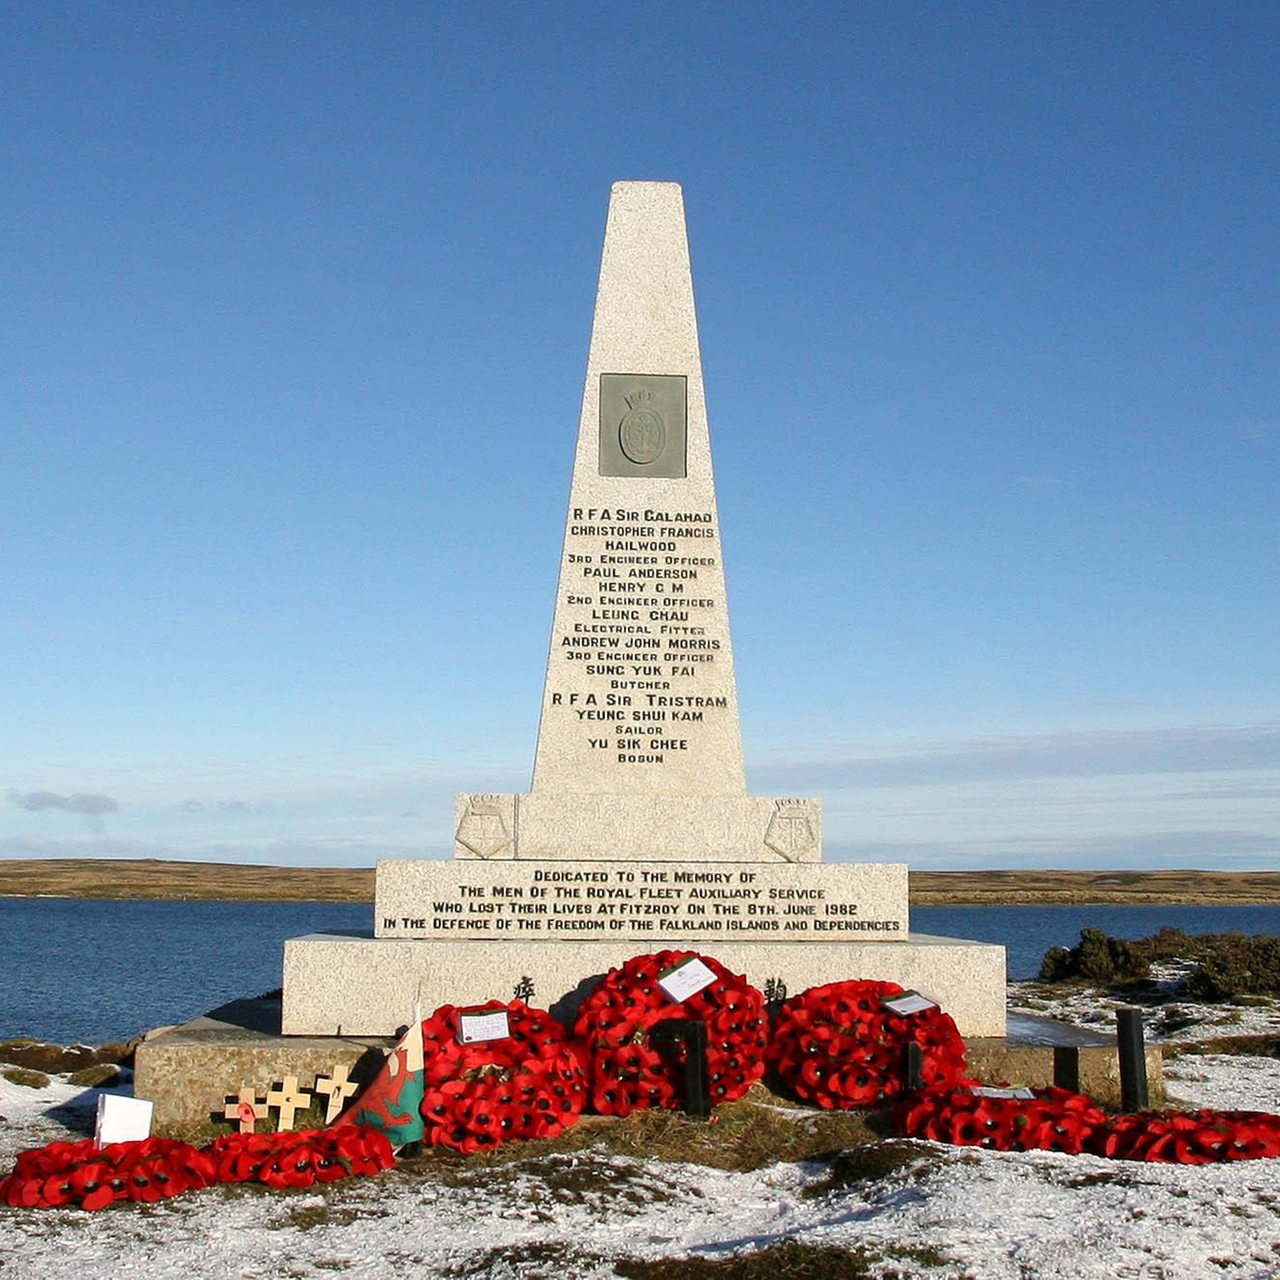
{"x": 77, "y": 969}
{"x": 81, "y": 969}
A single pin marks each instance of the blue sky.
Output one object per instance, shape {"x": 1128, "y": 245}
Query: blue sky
{"x": 296, "y": 309}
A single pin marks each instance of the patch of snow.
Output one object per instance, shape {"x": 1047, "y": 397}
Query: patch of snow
{"x": 1196, "y": 1080}
{"x": 1169, "y": 1017}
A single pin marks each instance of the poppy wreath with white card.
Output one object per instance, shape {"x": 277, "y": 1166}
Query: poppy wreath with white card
{"x": 495, "y": 1072}
{"x": 844, "y": 1045}
{"x": 632, "y": 1069}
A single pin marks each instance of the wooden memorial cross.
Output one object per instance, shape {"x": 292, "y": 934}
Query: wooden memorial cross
{"x": 245, "y": 1109}
{"x": 287, "y": 1099}
{"x": 339, "y": 1087}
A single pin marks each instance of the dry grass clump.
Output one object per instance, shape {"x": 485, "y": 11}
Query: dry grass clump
{"x": 791, "y": 1260}
{"x": 758, "y": 1130}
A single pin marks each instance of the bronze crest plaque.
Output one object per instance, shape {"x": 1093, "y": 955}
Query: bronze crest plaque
{"x": 642, "y": 425}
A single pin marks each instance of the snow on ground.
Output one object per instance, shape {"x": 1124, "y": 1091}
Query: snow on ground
{"x": 944, "y": 1213}
{"x": 1170, "y": 1018}
{"x": 1223, "y": 1081}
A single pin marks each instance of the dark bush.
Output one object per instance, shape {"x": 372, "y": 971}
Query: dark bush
{"x": 1230, "y": 966}
{"x": 1233, "y": 966}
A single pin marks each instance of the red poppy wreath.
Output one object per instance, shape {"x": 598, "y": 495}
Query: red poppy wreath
{"x": 80, "y": 1173}
{"x": 1190, "y": 1137}
{"x": 840, "y": 1046}
{"x": 630, "y": 1070}
{"x": 480, "y": 1093}
{"x": 1004, "y": 1119}
{"x": 301, "y": 1157}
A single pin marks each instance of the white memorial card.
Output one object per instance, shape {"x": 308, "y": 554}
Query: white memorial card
{"x": 989, "y": 1091}
{"x": 478, "y": 1028}
{"x": 910, "y": 1002}
{"x": 686, "y": 979}
{"x": 122, "y": 1120}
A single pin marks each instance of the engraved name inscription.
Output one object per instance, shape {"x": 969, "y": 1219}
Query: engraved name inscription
{"x": 643, "y": 638}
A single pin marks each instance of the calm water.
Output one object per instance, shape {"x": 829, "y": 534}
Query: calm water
{"x": 75, "y": 969}
{"x": 81, "y": 970}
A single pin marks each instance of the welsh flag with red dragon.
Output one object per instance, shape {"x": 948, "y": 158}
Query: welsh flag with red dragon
{"x": 392, "y": 1102}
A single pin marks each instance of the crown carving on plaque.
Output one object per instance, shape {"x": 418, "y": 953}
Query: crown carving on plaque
{"x": 641, "y": 399}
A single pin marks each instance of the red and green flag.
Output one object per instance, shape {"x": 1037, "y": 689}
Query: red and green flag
{"x": 392, "y": 1102}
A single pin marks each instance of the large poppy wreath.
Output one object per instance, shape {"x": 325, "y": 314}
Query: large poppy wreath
{"x": 631, "y": 1068}
{"x": 840, "y": 1046}
{"x": 300, "y": 1157}
{"x": 527, "y": 1084}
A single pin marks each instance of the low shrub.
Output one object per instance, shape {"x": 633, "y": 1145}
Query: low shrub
{"x": 1229, "y": 966}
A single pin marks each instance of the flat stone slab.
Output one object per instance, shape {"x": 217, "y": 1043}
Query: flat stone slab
{"x": 190, "y": 1070}
{"x": 1036, "y": 1065}
{"x": 364, "y": 986}
{"x": 657, "y": 904}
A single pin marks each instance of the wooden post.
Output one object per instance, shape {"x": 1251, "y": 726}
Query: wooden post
{"x": 912, "y": 1066}
{"x": 1133, "y": 1060}
{"x": 1066, "y": 1067}
{"x": 697, "y": 1083}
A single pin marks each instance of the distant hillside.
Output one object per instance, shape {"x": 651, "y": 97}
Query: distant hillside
{"x": 1194, "y": 888}
{"x": 129, "y": 878}
{"x": 152, "y": 878}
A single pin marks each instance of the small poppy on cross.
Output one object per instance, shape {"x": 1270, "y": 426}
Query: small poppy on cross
{"x": 245, "y": 1109}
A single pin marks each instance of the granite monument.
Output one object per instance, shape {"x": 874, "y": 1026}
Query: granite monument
{"x": 638, "y": 832}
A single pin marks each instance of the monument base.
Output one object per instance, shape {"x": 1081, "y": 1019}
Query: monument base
{"x": 357, "y": 985}
{"x": 190, "y": 1071}
{"x": 594, "y": 827}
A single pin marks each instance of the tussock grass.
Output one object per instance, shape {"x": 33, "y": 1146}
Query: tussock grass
{"x": 529, "y": 1262}
{"x": 1262, "y": 1046}
{"x": 26, "y": 1077}
{"x": 870, "y": 1163}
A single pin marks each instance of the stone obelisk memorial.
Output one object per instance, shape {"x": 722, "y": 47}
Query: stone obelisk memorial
{"x": 638, "y": 833}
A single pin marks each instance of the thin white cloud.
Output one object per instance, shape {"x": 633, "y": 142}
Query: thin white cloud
{"x": 1201, "y": 849}
{"x": 1069, "y": 754}
{"x": 86, "y": 803}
